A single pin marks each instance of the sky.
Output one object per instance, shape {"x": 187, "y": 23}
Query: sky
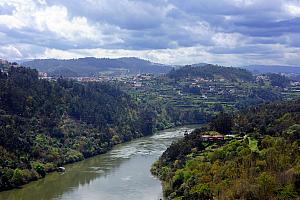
{"x": 226, "y": 32}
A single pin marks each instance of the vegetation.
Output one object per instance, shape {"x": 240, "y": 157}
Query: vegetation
{"x": 47, "y": 124}
{"x": 260, "y": 162}
{"x": 278, "y": 80}
{"x": 211, "y": 72}
{"x": 90, "y": 66}
{"x": 193, "y": 95}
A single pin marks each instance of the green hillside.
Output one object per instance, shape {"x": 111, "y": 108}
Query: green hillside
{"x": 211, "y": 72}
{"x": 261, "y": 160}
{"x": 47, "y": 124}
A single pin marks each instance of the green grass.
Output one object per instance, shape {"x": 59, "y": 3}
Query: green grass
{"x": 253, "y": 144}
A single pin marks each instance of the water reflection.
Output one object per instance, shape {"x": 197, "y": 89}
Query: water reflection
{"x": 122, "y": 173}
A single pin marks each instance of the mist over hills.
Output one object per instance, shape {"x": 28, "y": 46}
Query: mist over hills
{"x": 92, "y": 66}
{"x": 272, "y": 69}
{"x": 259, "y": 69}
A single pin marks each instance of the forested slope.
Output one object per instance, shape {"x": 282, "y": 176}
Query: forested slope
{"x": 212, "y": 71}
{"x": 46, "y": 124}
{"x": 90, "y": 66}
{"x": 261, "y": 162}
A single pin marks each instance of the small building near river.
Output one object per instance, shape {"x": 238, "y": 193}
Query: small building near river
{"x": 212, "y": 138}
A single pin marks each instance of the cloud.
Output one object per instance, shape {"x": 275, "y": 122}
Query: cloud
{"x": 126, "y": 14}
{"x": 9, "y": 51}
{"x": 293, "y": 9}
{"x": 231, "y": 32}
{"x": 32, "y": 20}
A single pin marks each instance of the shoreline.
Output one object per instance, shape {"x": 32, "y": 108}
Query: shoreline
{"x": 77, "y": 161}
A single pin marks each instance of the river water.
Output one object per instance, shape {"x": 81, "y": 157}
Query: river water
{"x": 122, "y": 173}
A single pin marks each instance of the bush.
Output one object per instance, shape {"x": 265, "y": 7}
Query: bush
{"x": 201, "y": 192}
{"x": 287, "y": 192}
{"x": 40, "y": 169}
{"x": 18, "y": 176}
{"x": 266, "y": 184}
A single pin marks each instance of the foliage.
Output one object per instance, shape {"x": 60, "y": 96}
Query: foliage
{"x": 262, "y": 165}
{"x": 212, "y": 71}
{"x": 278, "y": 80}
{"x": 92, "y": 66}
{"x": 47, "y": 124}
{"x": 222, "y": 123}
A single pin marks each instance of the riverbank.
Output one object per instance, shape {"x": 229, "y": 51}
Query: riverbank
{"x": 260, "y": 161}
{"x": 122, "y": 173}
{"x": 178, "y": 156}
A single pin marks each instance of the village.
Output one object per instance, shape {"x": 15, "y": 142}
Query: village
{"x": 211, "y": 95}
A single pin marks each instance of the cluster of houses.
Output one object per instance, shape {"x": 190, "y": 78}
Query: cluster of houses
{"x": 134, "y": 80}
{"x": 204, "y": 80}
{"x": 214, "y": 88}
{"x": 5, "y": 65}
{"x": 4, "y": 62}
{"x": 43, "y": 75}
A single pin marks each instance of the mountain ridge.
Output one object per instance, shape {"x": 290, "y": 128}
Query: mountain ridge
{"x": 90, "y": 66}
{"x": 272, "y": 69}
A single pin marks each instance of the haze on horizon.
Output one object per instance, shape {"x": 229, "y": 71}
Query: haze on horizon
{"x": 227, "y": 32}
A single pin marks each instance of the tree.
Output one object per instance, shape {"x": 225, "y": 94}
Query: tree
{"x": 222, "y": 123}
{"x": 266, "y": 185}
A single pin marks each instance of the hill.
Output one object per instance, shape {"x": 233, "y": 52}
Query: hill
{"x": 260, "y": 162}
{"x": 47, "y": 124}
{"x": 210, "y": 72}
{"x": 261, "y": 69}
{"x": 92, "y": 66}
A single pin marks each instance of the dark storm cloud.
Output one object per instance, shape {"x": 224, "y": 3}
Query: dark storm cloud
{"x": 250, "y": 18}
{"x": 130, "y": 15}
{"x": 216, "y": 27}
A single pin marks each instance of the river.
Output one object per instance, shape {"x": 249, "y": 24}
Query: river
{"x": 122, "y": 173}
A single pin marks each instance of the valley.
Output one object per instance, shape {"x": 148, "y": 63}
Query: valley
{"x": 149, "y": 100}
{"x": 125, "y": 170}
{"x": 59, "y": 121}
